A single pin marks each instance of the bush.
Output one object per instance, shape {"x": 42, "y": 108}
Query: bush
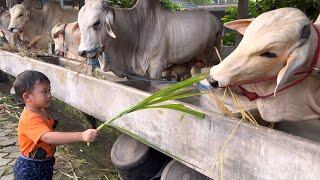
{"x": 310, "y": 7}
{"x": 168, "y": 4}
{"x": 200, "y": 2}
{"x": 122, "y": 3}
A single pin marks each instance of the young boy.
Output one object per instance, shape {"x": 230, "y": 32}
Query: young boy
{"x": 36, "y": 136}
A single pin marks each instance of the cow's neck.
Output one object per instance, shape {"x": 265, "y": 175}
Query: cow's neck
{"x": 129, "y": 26}
{"x": 34, "y": 27}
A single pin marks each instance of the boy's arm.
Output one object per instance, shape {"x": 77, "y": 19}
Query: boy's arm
{"x": 69, "y": 137}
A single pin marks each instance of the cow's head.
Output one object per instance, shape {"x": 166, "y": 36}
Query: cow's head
{"x": 95, "y": 20}
{"x": 19, "y": 17}
{"x": 276, "y": 43}
{"x": 66, "y": 36}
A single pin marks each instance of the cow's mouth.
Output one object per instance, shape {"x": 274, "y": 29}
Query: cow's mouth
{"x": 91, "y": 53}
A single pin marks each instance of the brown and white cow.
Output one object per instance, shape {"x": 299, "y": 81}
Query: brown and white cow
{"x": 279, "y": 44}
{"x": 34, "y": 23}
{"x": 67, "y": 39}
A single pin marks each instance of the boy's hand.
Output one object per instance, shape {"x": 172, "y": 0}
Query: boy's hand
{"x": 89, "y": 135}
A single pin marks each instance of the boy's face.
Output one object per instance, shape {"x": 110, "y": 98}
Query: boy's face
{"x": 40, "y": 96}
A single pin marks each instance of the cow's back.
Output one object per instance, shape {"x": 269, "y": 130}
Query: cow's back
{"x": 191, "y": 33}
{"x": 54, "y": 14}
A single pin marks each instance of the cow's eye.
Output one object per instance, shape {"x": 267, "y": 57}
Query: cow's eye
{"x": 20, "y": 15}
{"x": 96, "y": 24}
{"x": 268, "y": 54}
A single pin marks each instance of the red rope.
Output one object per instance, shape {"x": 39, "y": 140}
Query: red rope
{"x": 253, "y": 96}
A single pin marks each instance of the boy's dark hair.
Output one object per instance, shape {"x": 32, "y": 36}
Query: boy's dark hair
{"x": 26, "y": 80}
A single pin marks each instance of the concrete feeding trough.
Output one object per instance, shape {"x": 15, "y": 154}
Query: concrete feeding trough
{"x": 253, "y": 152}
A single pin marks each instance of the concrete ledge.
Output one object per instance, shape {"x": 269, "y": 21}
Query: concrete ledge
{"x": 252, "y": 152}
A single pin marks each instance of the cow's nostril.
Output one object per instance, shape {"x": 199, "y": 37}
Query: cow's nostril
{"x": 10, "y": 29}
{"x": 82, "y": 53}
{"x": 213, "y": 83}
{"x": 58, "y": 53}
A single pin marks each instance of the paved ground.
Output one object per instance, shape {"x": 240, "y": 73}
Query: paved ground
{"x": 72, "y": 161}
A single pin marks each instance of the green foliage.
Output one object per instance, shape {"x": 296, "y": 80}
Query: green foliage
{"x": 122, "y": 3}
{"x": 229, "y": 38}
{"x": 176, "y": 91}
{"x": 310, "y": 7}
{"x": 168, "y": 4}
{"x": 200, "y": 2}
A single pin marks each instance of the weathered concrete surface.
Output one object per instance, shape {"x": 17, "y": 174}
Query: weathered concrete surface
{"x": 252, "y": 152}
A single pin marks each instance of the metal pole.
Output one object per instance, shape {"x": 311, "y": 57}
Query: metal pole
{"x": 243, "y": 9}
{"x": 242, "y": 14}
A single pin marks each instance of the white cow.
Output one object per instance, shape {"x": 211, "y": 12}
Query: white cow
{"x": 149, "y": 38}
{"x": 67, "y": 39}
{"x": 277, "y": 43}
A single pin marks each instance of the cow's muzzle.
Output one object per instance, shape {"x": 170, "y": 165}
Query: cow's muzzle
{"x": 88, "y": 53}
{"x": 213, "y": 83}
{"x": 59, "y": 52}
{"x": 82, "y": 53}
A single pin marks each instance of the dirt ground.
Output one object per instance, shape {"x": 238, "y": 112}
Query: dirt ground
{"x": 76, "y": 161}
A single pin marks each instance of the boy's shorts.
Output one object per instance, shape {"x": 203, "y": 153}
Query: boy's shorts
{"x": 33, "y": 169}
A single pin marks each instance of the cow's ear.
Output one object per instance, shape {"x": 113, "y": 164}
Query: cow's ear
{"x": 75, "y": 27}
{"x": 296, "y": 60}
{"x": 238, "y": 25}
{"x": 110, "y": 20}
{"x": 318, "y": 20}
{"x": 28, "y": 14}
{"x": 56, "y": 31}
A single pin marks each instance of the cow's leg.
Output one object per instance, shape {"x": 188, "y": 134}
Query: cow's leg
{"x": 102, "y": 63}
{"x": 155, "y": 71}
{"x": 105, "y": 62}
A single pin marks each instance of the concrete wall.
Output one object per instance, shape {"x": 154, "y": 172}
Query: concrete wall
{"x": 252, "y": 152}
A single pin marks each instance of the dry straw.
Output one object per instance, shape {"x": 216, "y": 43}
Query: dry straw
{"x": 245, "y": 116}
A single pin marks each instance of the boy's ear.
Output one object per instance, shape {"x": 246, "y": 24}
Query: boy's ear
{"x": 26, "y": 97}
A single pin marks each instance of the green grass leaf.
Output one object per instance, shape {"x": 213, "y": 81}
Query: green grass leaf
{"x": 180, "y": 107}
{"x": 176, "y": 91}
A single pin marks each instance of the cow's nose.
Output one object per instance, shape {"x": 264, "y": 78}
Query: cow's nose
{"x": 213, "y": 83}
{"x": 59, "y": 53}
{"x": 82, "y": 53}
{"x": 10, "y": 29}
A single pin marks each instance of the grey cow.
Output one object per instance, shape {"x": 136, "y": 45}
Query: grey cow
{"x": 146, "y": 39}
